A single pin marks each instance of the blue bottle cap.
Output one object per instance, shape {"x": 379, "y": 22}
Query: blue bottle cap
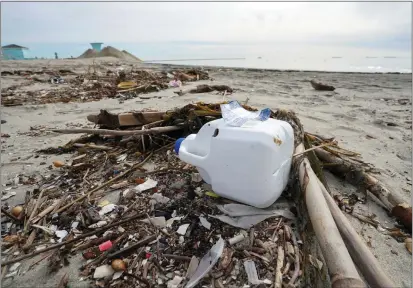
{"x": 178, "y": 145}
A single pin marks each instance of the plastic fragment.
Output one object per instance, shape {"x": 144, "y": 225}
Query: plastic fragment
{"x": 204, "y": 222}
{"x": 182, "y": 229}
{"x": 211, "y": 194}
{"x": 174, "y": 283}
{"x": 61, "y": 234}
{"x": 149, "y": 184}
{"x": 107, "y": 209}
{"x": 252, "y": 274}
{"x": 193, "y": 265}
{"x": 105, "y": 246}
{"x": 103, "y": 271}
{"x": 157, "y": 221}
{"x": 207, "y": 262}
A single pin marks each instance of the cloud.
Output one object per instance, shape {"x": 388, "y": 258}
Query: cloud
{"x": 346, "y": 23}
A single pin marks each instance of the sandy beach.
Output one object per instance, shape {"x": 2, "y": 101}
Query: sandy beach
{"x": 367, "y": 113}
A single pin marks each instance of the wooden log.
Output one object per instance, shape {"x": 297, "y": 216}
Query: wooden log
{"x": 153, "y": 131}
{"x": 125, "y": 119}
{"x": 357, "y": 176}
{"x": 361, "y": 254}
{"x": 320, "y": 86}
{"x": 342, "y": 270}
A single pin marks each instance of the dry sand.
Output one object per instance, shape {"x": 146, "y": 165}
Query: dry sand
{"x": 361, "y": 105}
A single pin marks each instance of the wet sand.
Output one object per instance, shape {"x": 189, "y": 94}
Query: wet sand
{"x": 357, "y": 113}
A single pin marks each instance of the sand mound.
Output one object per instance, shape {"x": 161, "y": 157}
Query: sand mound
{"x": 110, "y": 51}
{"x": 89, "y": 53}
{"x": 131, "y": 55}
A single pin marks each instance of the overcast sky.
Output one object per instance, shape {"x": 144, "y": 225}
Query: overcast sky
{"x": 367, "y": 24}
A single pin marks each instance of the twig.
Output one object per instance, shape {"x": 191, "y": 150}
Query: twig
{"x": 88, "y": 194}
{"x": 297, "y": 260}
{"x": 313, "y": 148}
{"x": 97, "y": 147}
{"x": 44, "y": 212}
{"x": 34, "y": 209}
{"x": 156, "y": 130}
{"x": 17, "y": 221}
{"x": 73, "y": 240}
{"x": 133, "y": 247}
{"x": 280, "y": 264}
{"x": 177, "y": 257}
{"x": 144, "y": 281}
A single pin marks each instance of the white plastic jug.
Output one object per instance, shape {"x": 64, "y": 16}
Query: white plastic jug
{"x": 248, "y": 164}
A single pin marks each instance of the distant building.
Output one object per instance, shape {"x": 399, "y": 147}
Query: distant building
{"x": 14, "y": 52}
{"x": 96, "y": 46}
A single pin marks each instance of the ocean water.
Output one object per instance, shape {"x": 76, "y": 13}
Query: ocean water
{"x": 291, "y": 56}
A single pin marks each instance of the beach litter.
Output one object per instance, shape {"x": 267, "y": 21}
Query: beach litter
{"x": 159, "y": 232}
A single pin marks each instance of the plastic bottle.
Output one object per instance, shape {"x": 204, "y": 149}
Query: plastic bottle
{"x": 248, "y": 164}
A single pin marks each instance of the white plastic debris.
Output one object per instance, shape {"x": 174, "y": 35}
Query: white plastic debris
{"x": 244, "y": 222}
{"x": 8, "y": 195}
{"x": 117, "y": 275}
{"x": 207, "y": 262}
{"x": 171, "y": 220}
{"x": 193, "y": 265}
{"x": 252, "y": 274}
{"x": 98, "y": 224}
{"x": 235, "y": 115}
{"x": 14, "y": 267}
{"x": 159, "y": 198}
{"x": 157, "y": 221}
{"x": 107, "y": 209}
{"x": 61, "y": 234}
{"x": 182, "y": 229}
{"x": 196, "y": 177}
{"x": 103, "y": 271}
{"x": 149, "y": 184}
{"x": 181, "y": 239}
{"x": 204, "y": 222}
{"x": 237, "y": 238}
{"x": 174, "y": 283}
{"x": 75, "y": 224}
{"x": 237, "y": 210}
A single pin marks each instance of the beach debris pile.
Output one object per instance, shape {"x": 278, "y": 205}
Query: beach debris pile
{"x": 95, "y": 84}
{"x": 140, "y": 217}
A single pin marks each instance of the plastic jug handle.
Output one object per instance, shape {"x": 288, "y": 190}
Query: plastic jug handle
{"x": 192, "y": 159}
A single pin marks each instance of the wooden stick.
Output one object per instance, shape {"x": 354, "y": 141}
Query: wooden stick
{"x": 156, "y": 130}
{"x": 44, "y": 213}
{"x": 103, "y": 229}
{"x": 340, "y": 265}
{"x": 296, "y": 260}
{"x": 132, "y": 247}
{"x": 313, "y": 148}
{"x": 97, "y": 147}
{"x": 392, "y": 201}
{"x": 34, "y": 209}
{"x": 361, "y": 254}
{"x": 30, "y": 240}
{"x": 88, "y": 194}
{"x": 12, "y": 217}
{"x": 278, "y": 270}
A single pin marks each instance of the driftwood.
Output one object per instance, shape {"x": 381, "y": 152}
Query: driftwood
{"x": 153, "y": 131}
{"x": 320, "y": 86}
{"x": 359, "y": 251}
{"x": 113, "y": 121}
{"x": 358, "y": 177}
{"x": 342, "y": 270}
{"x": 206, "y": 89}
